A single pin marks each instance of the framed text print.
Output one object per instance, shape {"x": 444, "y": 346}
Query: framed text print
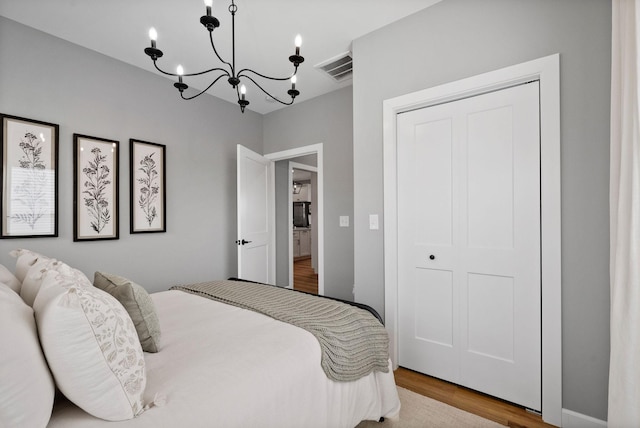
{"x": 95, "y": 188}
{"x": 29, "y": 171}
{"x": 148, "y": 196}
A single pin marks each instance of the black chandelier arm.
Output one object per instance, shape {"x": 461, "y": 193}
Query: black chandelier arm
{"x": 204, "y": 90}
{"x": 213, "y": 46}
{"x": 268, "y": 94}
{"x": 190, "y": 74}
{"x": 242, "y": 73}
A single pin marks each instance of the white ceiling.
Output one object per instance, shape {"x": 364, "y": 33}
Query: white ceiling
{"x": 265, "y": 30}
{"x": 301, "y": 175}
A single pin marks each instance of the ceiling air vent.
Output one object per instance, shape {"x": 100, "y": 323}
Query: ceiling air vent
{"x": 339, "y": 68}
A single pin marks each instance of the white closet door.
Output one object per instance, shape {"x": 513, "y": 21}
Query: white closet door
{"x": 469, "y": 243}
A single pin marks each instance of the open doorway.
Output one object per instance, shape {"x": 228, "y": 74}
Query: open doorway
{"x": 304, "y": 158}
{"x": 303, "y": 191}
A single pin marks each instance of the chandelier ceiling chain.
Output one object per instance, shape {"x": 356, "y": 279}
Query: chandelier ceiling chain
{"x": 235, "y": 79}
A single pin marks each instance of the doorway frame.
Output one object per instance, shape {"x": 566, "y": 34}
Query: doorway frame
{"x": 547, "y": 71}
{"x": 313, "y": 149}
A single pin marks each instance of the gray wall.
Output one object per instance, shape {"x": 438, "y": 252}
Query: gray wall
{"x": 328, "y": 120}
{"x": 460, "y": 38}
{"x": 48, "y": 79}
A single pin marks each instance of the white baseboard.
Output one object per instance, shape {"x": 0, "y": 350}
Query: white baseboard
{"x": 571, "y": 419}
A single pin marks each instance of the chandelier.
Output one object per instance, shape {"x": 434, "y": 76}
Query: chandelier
{"x": 228, "y": 70}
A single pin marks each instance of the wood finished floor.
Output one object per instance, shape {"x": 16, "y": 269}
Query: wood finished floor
{"x": 474, "y": 402}
{"x": 304, "y": 278}
{"x": 502, "y": 412}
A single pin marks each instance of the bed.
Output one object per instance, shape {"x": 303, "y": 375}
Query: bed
{"x": 222, "y": 365}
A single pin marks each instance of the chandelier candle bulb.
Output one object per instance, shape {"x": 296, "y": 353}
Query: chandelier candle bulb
{"x": 293, "y": 92}
{"x": 153, "y": 52}
{"x": 298, "y": 43}
{"x": 208, "y": 4}
{"x": 296, "y": 59}
{"x": 153, "y": 35}
{"x": 242, "y": 101}
{"x": 180, "y": 72}
{"x": 179, "y": 85}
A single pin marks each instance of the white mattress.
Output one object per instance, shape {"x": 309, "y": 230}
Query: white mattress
{"x": 224, "y": 366}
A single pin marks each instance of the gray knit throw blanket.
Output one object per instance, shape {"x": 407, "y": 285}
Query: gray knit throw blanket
{"x": 353, "y": 342}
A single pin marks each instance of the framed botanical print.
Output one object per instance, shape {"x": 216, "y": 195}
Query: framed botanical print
{"x": 29, "y": 171}
{"x": 95, "y": 188}
{"x": 148, "y": 186}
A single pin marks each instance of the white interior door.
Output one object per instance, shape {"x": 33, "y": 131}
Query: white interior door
{"x": 469, "y": 243}
{"x": 256, "y": 217}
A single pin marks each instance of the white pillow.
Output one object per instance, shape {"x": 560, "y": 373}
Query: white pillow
{"x": 33, "y": 279}
{"x": 26, "y": 259}
{"x": 26, "y": 389}
{"x": 35, "y": 275}
{"x": 9, "y": 279}
{"x": 91, "y": 346}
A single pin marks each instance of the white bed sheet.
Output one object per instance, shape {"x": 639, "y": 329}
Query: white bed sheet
{"x": 222, "y": 366}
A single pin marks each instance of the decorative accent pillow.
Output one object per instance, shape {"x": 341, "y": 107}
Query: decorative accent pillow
{"x": 138, "y": 304}
{"x": 26, "y": 259}
{"x": 26, "y": 386}
{"x": 91, "y": 346}
{"x": 6, "y": 277}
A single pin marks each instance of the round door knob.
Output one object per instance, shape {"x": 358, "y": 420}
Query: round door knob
{"x": 432, "y": 257}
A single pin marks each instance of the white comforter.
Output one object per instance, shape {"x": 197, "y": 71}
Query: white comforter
{"x": 221, "y": 366}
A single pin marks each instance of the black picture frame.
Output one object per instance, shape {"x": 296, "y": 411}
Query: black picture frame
{"x": 29, "y": 171}
{"x": 96, "y": 206}
{"x": 148, "y": 196}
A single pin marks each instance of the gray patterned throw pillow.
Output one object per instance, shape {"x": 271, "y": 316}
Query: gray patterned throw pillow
{"x": 138, "y": 304}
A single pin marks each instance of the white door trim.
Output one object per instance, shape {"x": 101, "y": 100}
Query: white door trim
{"x": 547, "y": 71}
{"x": 313, "y": 149}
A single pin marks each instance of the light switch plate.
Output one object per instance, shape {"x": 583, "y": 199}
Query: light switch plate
{"x": 373, "y": 222}
{"x": 344, "y": 221}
